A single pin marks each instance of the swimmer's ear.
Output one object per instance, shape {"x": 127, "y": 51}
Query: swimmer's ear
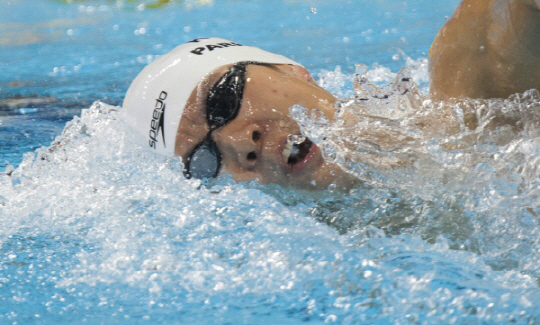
{"x": 303, "y": 74}
{"x": 297, "y": 71}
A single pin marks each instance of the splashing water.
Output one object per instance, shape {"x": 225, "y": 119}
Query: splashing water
{"x": 393, "y": 126}
{"x": 295, "y": 138}
{"x": 96, "y": 229}
{"x": 471, "y": 179}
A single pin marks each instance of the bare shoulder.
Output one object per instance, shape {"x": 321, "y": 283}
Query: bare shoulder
{"x": 487, "y": 49}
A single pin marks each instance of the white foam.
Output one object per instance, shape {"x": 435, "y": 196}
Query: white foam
{"x": 107, "y": 224}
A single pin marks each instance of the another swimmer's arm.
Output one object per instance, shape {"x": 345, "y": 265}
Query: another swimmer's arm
{"x": 455, "y": 66}
{"x": 488, "y": 49}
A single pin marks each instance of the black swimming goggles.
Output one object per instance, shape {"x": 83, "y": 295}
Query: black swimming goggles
{"x": 222, "y": 106}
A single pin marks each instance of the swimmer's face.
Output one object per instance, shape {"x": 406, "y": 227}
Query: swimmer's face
{"x": 254, "y": 144}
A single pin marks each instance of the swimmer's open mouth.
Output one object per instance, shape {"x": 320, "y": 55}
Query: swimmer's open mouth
{"x": 297, "y": 152}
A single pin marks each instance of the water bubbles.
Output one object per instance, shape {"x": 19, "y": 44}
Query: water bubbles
{"x": 295, "y": 138}
{"x": 332, "y": 188}
{"x": 87, "y": 9}
{"x": 140, "y": 31}
{"x": 313, "y": 10}
{"x": 331, "y": 319}
{"x": 319, "y": 117}
{"x": 62, "y": 71}
{"x": 393, "y": 100}
{"x": 146, "y": 59}
{"x": 329, "y": 152}
{"x": 122, "y": 222}
{"x": 299, "y": 114}
{"x": 24, "y": 110}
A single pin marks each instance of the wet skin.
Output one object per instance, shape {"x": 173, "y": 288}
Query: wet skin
{"x": 488, "y": 49}
{"x": 252, "y": 144}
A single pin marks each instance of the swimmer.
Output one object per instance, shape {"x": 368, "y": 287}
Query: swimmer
{"x": 224, "y": 107}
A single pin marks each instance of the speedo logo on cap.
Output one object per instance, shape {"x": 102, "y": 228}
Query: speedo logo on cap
{"x": 157, "y": 124}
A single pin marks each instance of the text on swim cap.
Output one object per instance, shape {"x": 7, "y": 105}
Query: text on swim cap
{"x": 211, "y": 47}
{"x": 197, "y": 40}
{"x": 157, "y": 122}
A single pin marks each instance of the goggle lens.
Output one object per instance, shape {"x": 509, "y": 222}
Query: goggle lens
{"x": 205, "y": 161}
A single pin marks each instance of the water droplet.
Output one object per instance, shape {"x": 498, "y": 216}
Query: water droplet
{"x": 295, "y": 138}
{"x": 313, "y": 10}
{"x": 329, "y": 156}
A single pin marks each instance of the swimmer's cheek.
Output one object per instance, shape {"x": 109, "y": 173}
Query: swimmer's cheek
{"x": 240, "y": 174}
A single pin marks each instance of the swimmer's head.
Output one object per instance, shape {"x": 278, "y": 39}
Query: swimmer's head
{"x": 157, "y": 97}
{"x": 224, "y": 108}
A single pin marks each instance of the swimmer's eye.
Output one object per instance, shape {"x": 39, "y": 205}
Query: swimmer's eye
{"x": 225, "y": 98}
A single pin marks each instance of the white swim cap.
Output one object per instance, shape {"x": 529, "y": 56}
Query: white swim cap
{"x": 157, "y": 97}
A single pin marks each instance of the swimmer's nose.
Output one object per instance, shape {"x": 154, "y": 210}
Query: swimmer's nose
{"x": 248, "y": 144}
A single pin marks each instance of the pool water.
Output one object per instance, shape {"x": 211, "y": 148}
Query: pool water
{"x": 97, "y": 230}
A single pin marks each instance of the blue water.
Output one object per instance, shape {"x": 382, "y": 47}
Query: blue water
{"x": 98, "y": 231}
